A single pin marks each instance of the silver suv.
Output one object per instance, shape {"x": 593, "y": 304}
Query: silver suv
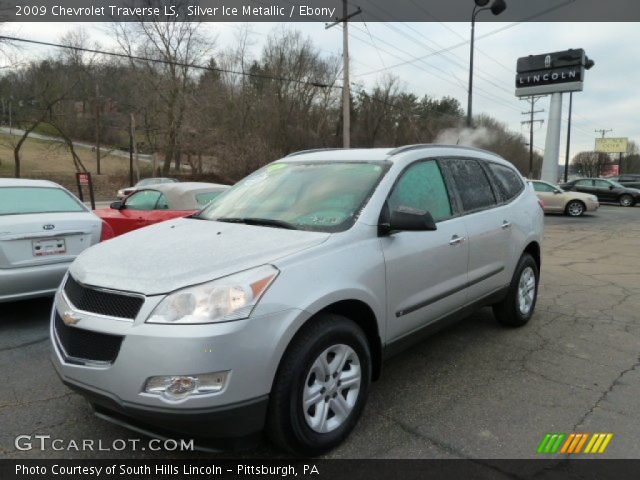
{"x": 273, "y": 308}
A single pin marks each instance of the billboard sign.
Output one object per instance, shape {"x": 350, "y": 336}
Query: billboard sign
{"x": 612, "y": 145}
{"x": 551, "y": 73}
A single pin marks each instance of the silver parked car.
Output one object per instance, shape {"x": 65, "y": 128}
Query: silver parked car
{"x": 274, "y": 307}
{"x": 43, "y": 227}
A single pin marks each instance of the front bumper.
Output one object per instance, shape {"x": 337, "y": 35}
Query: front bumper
{"x": 237, "y": 425}
{"x": 249, "y": 349}
{"x": 592, "y": 206}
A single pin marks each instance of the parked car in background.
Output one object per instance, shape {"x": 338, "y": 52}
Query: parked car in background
{"x": 630, "y": 180}
{"x": 606, "y": 190}
{"x": 273, "y": 307}
{"x": 43, "y": 227}
{"x": 159, "y": 203}
{"x": 556, "y": 200}
{"x": 147, "y": 182}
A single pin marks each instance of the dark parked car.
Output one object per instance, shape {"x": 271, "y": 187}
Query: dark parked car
{"x": 631, "y": 180}
{"x": 606, "y": 190}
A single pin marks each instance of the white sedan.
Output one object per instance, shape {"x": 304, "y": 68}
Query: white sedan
{"x": 43, "y": 227}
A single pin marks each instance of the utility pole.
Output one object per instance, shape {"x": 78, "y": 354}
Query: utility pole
{"x": 131, "y": 136}
{"x": 346, "y": 91}
{"x": 133, "y": 151}
{"x": 531, "y": 122}
{"x": 97, "y": 122}
{"x": 604, "y": 131}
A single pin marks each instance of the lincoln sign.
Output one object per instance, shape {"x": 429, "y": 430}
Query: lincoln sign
{"x": 551, "y": 73}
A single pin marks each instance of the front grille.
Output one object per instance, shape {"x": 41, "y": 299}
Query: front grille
{"x": 81, "y": 344}
{"x": 104, "y": 303}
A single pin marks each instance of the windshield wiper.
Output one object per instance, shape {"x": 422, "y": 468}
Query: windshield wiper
{"x": 264, "y": 222}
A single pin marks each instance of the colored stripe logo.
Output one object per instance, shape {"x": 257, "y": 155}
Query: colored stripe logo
{"x": 574, "y": 443}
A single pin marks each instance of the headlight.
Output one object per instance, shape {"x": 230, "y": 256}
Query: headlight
{"x": 228, "y": 298}
{"x": 594, "y": 198}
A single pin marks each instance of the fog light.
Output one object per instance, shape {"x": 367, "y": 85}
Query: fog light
{"x": 178, "y": 387}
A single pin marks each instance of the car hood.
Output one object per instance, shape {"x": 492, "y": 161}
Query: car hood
{"x": 179, "y": 253}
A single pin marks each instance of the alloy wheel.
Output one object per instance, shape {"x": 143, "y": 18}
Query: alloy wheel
{"x": 526, "y": 291}
{"x": 575, "y": 209}
{"x": 331, "y": 388}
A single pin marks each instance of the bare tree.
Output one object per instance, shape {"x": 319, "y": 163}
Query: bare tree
{"x": 590, "y": 164}
{"x": 180, "y": 45}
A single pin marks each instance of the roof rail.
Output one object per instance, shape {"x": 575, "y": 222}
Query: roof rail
{"x": 313, "y": 150}
{"x": 408, "y": 148}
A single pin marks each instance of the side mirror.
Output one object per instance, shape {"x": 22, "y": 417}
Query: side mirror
{"x": 557, "y": 192}
{"x": 117, "y": 205}
{"x": 611, "y": 187}
{"x": 405, "y": 219}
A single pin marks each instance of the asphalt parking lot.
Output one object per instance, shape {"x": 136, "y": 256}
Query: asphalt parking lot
{"x": 476, "y": 390}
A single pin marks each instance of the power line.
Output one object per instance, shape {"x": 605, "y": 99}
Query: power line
{"x": 466, "y": 42}
{"x": 168, "y": 62}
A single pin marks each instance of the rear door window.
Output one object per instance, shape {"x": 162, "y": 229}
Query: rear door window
{"x": 543, "y": 187}
{"x": 584, "y": 183}
{"x": 422, "y": 188}
{"x": 28, "y": 200}
{"x": 508, "y": 181}
{"x": 472, "y": 184}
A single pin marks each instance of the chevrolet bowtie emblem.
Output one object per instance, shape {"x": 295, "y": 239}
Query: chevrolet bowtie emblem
{"x": 69, "y": 318}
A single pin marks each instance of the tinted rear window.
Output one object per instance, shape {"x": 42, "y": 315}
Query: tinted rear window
{"x": 25, "y": 200}
{"x": 472, "y": 184}
{"x": 508, "y": 181}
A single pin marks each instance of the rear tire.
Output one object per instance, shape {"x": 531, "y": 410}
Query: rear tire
{"x": 575, "y": 208}
{"x": 626, "y": 201}
{"x": 518, "y": 307}
{"x": 311, "y": 384}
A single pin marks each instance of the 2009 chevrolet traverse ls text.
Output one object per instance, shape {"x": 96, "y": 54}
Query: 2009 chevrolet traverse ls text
{"x": 273, "y": 308}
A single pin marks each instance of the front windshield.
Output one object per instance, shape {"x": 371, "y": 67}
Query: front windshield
{"x": 616, "y": 184}
{"x": 319, "y": 196}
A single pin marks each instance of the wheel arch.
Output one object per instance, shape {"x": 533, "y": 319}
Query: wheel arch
{"x": 533, "y": 249}
{"x": 356, "y": 310}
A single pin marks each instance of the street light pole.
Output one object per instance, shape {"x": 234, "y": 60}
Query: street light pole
{"x": 497, "y": 7}
{"x": 473, "y": 40}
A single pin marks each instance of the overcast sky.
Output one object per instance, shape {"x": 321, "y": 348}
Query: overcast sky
{"x": 611, "y": 98}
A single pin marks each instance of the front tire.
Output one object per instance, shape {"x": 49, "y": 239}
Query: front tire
{"x": 517, "y": 308}
{"x": 321, "y": 386}
{"x": 575, "y": 208}
{"x": 626, "y": 201}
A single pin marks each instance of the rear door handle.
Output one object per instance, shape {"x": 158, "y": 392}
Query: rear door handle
{"x": 506, "y": 225}
{"x": 456, "y": 240}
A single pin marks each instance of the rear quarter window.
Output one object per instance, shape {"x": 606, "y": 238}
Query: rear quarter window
{"x": 508, "y": 181}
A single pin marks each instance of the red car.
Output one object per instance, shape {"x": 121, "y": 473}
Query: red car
{"x": 157, "y": 204}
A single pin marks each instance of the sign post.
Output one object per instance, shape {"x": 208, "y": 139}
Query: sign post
{"x": 552, "y": 74}
{"x": 83, "y": 179}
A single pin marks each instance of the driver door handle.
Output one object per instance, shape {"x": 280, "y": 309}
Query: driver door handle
{"x": 456, "y": 240}
{"x": 506, "y": 224}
